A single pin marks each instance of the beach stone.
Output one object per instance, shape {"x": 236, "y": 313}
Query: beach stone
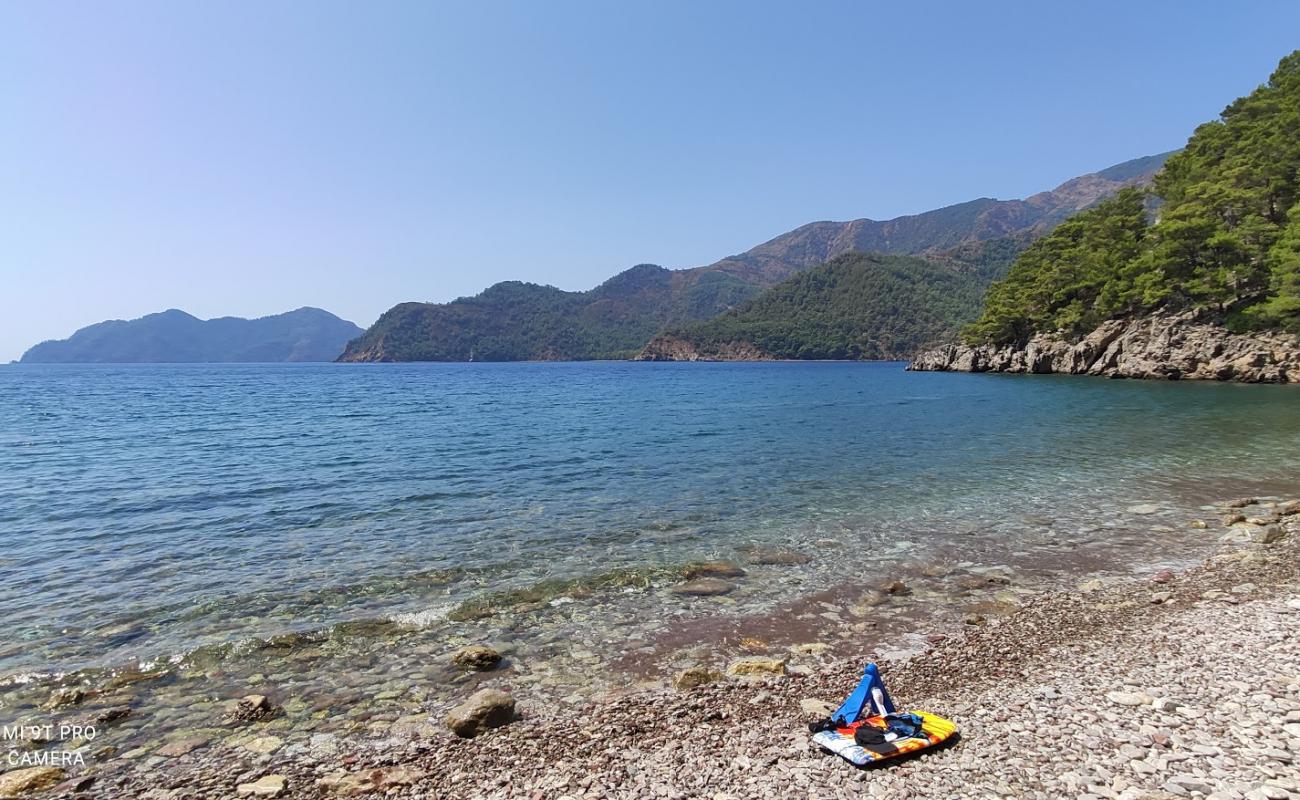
{"x": 20, "y": 781}
{"x": 1165, "y": 705}
{"x": 815, "y": 707}
{"x": 368, "y": 781}
{"x": 715, "y": 569}
{"x": 895, "y": 587}
{"x": 113, "y": 714}
{"x": 476, "y": 657}
{"x": 1241, "y": 502}
{"x": 1289, "y": 508}
{"x": 265, "y": 786}
{"x": 1129, "y": 698}
{"x": 485, "y": 709}
{"x": 757, "y": 666}
{"x": 263, "y": 744}
{"x": 1163, "y": 576}
{"x": 693, "y": 677}
{"x": 1199, "y": 524}
{"x": 1094, "y": 585}
{"x": 1161, "y": 597}
{"x": 704, "y": 587}
{"x": 1269, "y": 534}
{"x": 180, "y": 747}
{"x": 1233, "y": 519}
{"x": 809, "y": 648}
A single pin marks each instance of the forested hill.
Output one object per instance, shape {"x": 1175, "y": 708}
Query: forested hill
{"x": 307, "y": 334}
{"x": 856, "y": 306}
{"x": 521, "y": 321}
{"x": 1226, "y": 241}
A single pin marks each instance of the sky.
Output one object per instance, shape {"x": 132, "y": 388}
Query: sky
{"x": 248, "y": 158}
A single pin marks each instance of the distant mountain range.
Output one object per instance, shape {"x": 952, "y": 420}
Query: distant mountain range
{"x": 515, "y": 321}
{"x": 307, "y": 334}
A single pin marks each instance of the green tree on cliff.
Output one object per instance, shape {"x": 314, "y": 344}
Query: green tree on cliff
{"x": 1227, "y": 235}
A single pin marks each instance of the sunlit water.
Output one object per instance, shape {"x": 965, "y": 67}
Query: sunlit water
{"x": 186, "y": 516}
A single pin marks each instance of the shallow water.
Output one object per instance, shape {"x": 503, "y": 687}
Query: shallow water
{"x": 185, "y": 515}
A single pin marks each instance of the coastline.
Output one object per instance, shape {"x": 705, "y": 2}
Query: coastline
{"x": 1038, "y": 673}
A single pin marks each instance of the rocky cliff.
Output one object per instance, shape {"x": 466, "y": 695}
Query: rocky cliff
{"x": 1187, "y": 346}
{"x": 673, "y": 348}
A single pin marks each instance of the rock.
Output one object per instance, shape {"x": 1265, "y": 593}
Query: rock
{"x": 757, "y": 666}
{"x": 1233, "y": 519}
{"x": 476, "y": 657}
{"x": 1144, "y": 509}
{"x": 777, "y": 557}
{"x": 180, "y": 747}
{"x": 692, "y": 677}
{"x": 263, "y": 744}
{"x": 1165, "y": 705}
{"x": 265, "y": 786}
{"x": 32, "y": 779}
{"x": 1161, "y": 597}
{"x": 1243, "y": 588}
{"x": 1269, "y": 534}
{"x": 64, "y": 698}
{"x": 1199, "y": 524}
{"x": 895, "y": 587}
{"x": 253, "y": 708}
{"x": 485, "y": 709}
{"x": 1241, "y": 502}
{"x": 1288, "y": 509}
{"x": 113, "y": 714}
{"x": 81, "y": 783}
{"x": 1131, "y": 699}
{"x": 973, "y": 619}
{"x": 704, "y": 587}
{"x": 1094, "y": 585}
{"x": 1188, "y": 345}
{"x": 809, "y": 649}
{"x": 368, "y": 781}
{"x": 715, "y": 569}
{"x": 1163, "y": 576}
{"x": 815, "y": 707}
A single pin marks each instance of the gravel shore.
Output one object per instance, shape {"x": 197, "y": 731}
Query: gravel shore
{"x": 1188, "y": 687}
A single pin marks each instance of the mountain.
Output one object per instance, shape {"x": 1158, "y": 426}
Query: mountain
{"x": 307, "y": 334}
{"x": 514, "y": 321}
{"x": 1209, "y": 288}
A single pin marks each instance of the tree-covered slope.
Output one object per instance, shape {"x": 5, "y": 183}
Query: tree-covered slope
{"x": 856, "y": 306}
{"x": 1226, "y": 238}
{"x": 307, "y": 334}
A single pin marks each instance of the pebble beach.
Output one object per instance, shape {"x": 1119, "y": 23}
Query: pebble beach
{"x": 1174, "y": 684}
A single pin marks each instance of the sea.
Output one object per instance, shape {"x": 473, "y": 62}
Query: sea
{"x": 174, "y": 536}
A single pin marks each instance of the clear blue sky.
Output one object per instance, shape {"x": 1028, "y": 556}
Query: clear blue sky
{"x": 249, "y": 158}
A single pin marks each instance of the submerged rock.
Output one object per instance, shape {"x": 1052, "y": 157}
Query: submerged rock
{"x": 757, "y": 666}
{"x": 704, "y": 587}
{"x": 715, "y": 569}
{"x": 368, "y": 781}
{"x": 265, "y": 786}
{"x": 64, "y": 698}
{"x": 485, "y": 709}
{"x": 180, "y": 747}
{"x": 777, "y": 557}
{"x": 693, "y": 677}
{"x": 1270, "y": 534}
{"x": 252, "y": 708}
{"x": 31, "y": 779}
{"x": 476, "y": 657}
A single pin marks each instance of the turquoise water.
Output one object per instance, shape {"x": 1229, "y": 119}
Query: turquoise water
{"x": 151, "y": 510}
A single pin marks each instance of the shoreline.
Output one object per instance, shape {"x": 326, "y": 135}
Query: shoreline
{"x": 743, "y": 734}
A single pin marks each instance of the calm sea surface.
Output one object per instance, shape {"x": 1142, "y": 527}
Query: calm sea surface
{"x": 147, "y": 512}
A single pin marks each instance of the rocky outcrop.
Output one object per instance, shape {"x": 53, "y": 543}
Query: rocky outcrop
{"x": 1186, "y": 346}
{"x": 674, "y": 348}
